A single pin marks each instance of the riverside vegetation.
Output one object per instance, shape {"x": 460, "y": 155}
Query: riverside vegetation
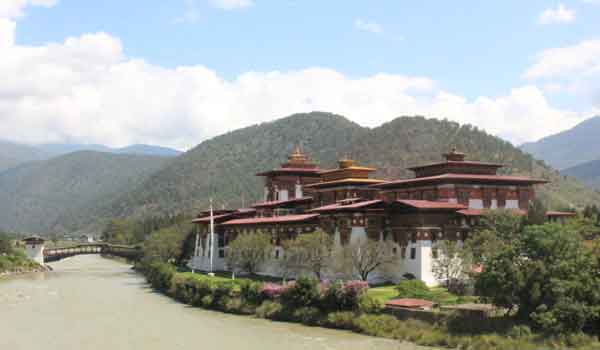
{"x": 13, "y": 259}
{"x": 542, "y": 278}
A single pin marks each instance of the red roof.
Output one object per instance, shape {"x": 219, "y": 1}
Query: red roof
{"x": 479, "y": 212}
{"x": 409, "y": 303}
{"x": 347, "y": 181}
{"x": 272, "y": 219}
{"x": 463, "y": 177}
{"x": 240, "y": 211}
{"x": 423, "y": 204}
{"x": 339, "y": 206}
{"x": 280, "y": 202}
{"x": 560, "y": 213}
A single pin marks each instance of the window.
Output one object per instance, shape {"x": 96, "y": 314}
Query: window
{"x": 463, "y": 197}
{"x": 221, "y": 242}
{"x": 501, "y": 199}
{"x": 487, "y": 198}
{"x": 276, "y": 253}
{"x": 221, "y": 253}
{"x": 394, "y": 250}
{"x": 403, "y": 252}
{"x": 413, "y": 253}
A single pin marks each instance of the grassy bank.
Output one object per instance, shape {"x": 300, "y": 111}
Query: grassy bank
{"x": 348, "y": 307}
{"x": 17, "y": 263}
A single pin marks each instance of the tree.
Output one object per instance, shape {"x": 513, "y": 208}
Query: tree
{"x": 536, "y": 214}
{"x": 165, "y": 244}
{"x": 496, "y": 229}
{"x": 549, "y": 276}
{"x": 366, "y": 256}
{"x": 311, "y": 251}
{"x": 452, "y": 263}
{"x": 5, "y": 244}
{"x": 248, "y": 251}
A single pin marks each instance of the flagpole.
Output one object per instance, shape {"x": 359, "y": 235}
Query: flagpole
{"x": 212, "y": 236}
{"x": 196, "y": 247}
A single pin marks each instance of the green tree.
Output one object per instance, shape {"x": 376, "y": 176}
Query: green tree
{"x": 548, "y": 276}
{"x": 496, "y": 229}
{"x": 165, "y": 245}
{"x": 536, "y": 214}
{"x": 6, "y": 246}
{"x": 310, "y": 251}
{"x": 248, "y": 252}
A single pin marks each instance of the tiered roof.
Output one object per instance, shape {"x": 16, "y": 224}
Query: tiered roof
{"x": 347, "y": 174}
{"x": 298, "y": 163}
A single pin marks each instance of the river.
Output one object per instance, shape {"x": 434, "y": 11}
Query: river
{"x": 93, "y": 303}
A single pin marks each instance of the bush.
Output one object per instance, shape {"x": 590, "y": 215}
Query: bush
{"x": 413, "y": 289}
{"x": 273, "y": 291}
{"x": 341, "y": 320}
{"x": 310, "y": 316}
{"x": 303, "y": 293}
{"x": 269, "y": 309}
{"x": 159, "y": 275}
{"x": 221, "y": 294}
{"x": 519, "y": 331}
{"x": 377, "y": 325}
{"x": 251, "y": 293}
{"x": 369, "y": 305}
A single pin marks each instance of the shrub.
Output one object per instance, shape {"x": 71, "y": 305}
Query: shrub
{"x": 206, "y": 301}
{"x": 269, "y": 309}
{"x": 377, "y": 325}
{"x": 222, "y": 293}
{"x": 519, "y": 331}
{"x": 413, "y": 289}
{"x": 159, "y": 275}
{"x": 310, "y": 316}
{"x": 341, "y": 320}
{"x": 202, "y": 288}
{"x": 251, "y": 293}
{"x": 303, "y": 293}
{"x": 340, "y": 296}
{"x": 273, "y": 291}
{"x": 369, "y": 305}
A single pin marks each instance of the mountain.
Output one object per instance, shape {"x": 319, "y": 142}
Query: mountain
{"x": 34, "y": 195}
{"x": 588, "y": 173}
{"x": 224, "y": 167}
{"x": 12, "y": 154}
{"x": 148, "y": 150}
{"x": 569, "y": 148}
{"x": 57, "y": 149}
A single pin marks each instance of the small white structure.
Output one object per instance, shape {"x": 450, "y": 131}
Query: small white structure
{"x": 34, "y": 248}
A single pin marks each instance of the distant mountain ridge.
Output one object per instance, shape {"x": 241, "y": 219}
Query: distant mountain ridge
{"x": 14, "y": 154}
{"x": 569, "y": 148}
{"x": 588, "y": 173}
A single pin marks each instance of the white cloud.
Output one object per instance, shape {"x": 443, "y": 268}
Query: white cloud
{"x": 576, "y": 68}
{"x": 85, "y": 89}
{"x": 368, "y": 26}
{"x": 231, "y": 4}
{"x": 560, "y": 14}
{"x": 14, "y": 8}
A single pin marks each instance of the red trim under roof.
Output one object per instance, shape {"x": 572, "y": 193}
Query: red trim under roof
{"x": 304, "y": 171}
{"x": 454, "y": 162}
{"x": 423, "y": 204}
{"x": 272, "y": 220}
{"x": 280, "y": 202}
{"x": 340, "y": 207}
{"x": 463, "y": 177}
{"x": 240, "y": 211}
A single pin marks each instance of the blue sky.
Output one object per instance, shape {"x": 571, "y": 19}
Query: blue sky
{"x": 472, "y": 50}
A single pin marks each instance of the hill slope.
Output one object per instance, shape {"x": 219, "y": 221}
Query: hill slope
{"x": 33, "y": 196}
{"x": 224, "y": 166}
{"x": 58, "y": 149}
{"x": 588, "y": 173}
{"x": 12, "y": 154}
{"x": 569, "y": 148}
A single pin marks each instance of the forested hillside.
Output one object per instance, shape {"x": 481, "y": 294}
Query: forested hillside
{"x": 224, "y": 166}
{"x": 33, "y": 196}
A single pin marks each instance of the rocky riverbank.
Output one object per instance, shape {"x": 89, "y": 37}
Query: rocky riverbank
{"x": 11, "y": 265}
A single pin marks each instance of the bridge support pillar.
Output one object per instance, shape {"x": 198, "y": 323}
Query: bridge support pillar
{"x": 34, "y": 248}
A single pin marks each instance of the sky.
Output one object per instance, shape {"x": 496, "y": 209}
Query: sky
{"x": 176, "y": 72}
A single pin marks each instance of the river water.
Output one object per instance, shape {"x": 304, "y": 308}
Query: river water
{"x": 92, "y": 303}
